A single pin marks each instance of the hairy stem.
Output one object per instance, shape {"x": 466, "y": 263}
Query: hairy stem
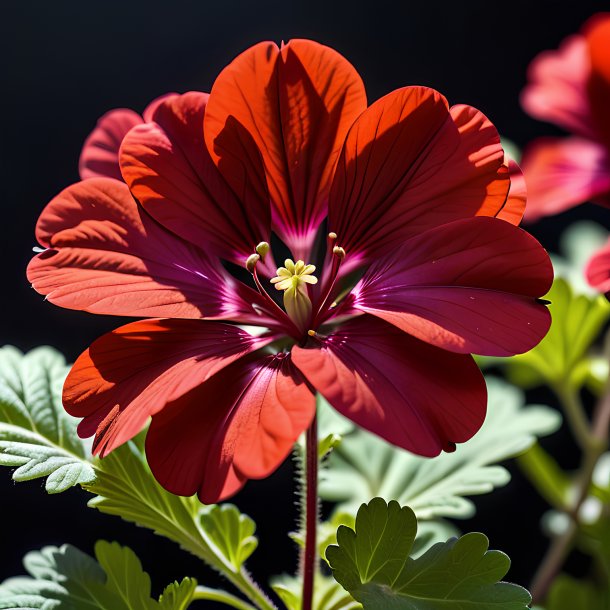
{"x": 596, "y": 444}
{"x": 310, "y": 552}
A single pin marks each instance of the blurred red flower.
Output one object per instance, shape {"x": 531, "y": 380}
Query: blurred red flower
{"x": 571, "y": 88}
{"x": 423, "y": 265}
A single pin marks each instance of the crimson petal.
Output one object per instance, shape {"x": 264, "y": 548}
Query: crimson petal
{"x": 557, "y": 88}
{"x": 170, "y": 172}
{"x": 409, "y": 164}
{"x": 100, "y": 154}
{"x": 562, "y": 173}
{"x": 106, "y": 255}
{"x": 414, "y": 395}
{"x": 133, "y": 372}
{"x": 292, "y": 107}
{"x": 469, "y": 286}
{"x": 239, "y": 424}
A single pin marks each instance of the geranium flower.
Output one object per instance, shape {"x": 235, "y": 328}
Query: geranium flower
{"x": 571, "y": 88}
{"x": 402, "y": 259}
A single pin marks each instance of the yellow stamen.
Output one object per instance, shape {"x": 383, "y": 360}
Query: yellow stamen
{"x": 292, "y": 279}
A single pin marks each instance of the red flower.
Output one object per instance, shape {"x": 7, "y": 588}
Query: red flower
{"x": 571, "y": 88}
{"x": 413, "y": 193}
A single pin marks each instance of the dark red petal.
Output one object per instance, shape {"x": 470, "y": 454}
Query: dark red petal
{"x": 105, "y": 255}
{"x": 562, "y": 173}
{"x": 557, "y": 87}
{"x": 170, "y": 172}
{"x": 133, "y": 372}
{"x": 414, "y": 395}
{"x": 410, "y": 164}
{"x": 295, "y": 106}
{"x": 469, "y": 286}
{"x": 240, "y": 424}
{"x": 100, "y": 154}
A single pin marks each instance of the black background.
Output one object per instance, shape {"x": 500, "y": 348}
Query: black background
{"x": 65, "y": 63}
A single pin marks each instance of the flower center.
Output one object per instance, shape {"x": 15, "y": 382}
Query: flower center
{"x": 293, "y": 278}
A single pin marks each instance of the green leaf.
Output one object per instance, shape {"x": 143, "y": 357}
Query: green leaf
{"x": 551, "y": 482}
{"x": 37, "y": 437}
{"x": 570, "y": 594}
{"x": 561, "y": 357}
{"x": 328, "y": 594}
{"x": 178, "y": 596}
{"x": 67, "y": 579}
{"x": 126, "y": 487}
{"x": 373, "y": 564}
{"x": 577, "y": 245}
{"x": 365, "y": 466}
{"x": 231, "y": 532}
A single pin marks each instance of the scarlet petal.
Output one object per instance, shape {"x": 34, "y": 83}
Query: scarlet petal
{"x": 597, "y": 32}
{"x": 133, "y": 372}
{"x": 170, "y": 172}
{"x": 100, "y": 154}
{"x": 557, "y": 89}
{"x": 410, "y": 164}
{"x": 469, "y": 286}
{"x": 562, "y": 173}
{"x": 105, "y": 255}
{"x": 240, "y": 424}
{"x": 294, "y": 107}
{"x": 412, "y": 394}
{"x": 517, "y": 195}
{"x": 597, "y": 271}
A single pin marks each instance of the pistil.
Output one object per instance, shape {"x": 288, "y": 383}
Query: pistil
{"x": 293, "y": 278}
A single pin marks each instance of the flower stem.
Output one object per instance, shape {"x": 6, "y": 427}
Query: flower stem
{"x": 595, "y": 446}
{"x": 223, "y": 597}
{"x": 308, "y": 564}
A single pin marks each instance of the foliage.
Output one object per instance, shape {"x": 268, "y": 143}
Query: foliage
{"x": 328, "y": 595}
{"x": 561, "y": 358}
{"x": 68, "y": 579}
{"x": 37, "y": 437}
{"x": 373, "y": 563}
{"x": 365, "y": 466}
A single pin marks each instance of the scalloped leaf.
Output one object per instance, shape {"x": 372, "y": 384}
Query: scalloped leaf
{"x": 373, "y": 564}
{"x": 37, "y": 437}
{"x": 231, "y": 531}
{"x": 328, "y": 594}
{"x": 125, "y": 487}
{"x": 66, "y": 578}
{"x": 561, "y": 357}
{"x": 365, "y": 466}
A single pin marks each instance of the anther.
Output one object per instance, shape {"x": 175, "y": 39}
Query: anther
{"x": 311, "y": 333}
{"x": 332, "y": 236}
{"x": 339, "y": 252}
{"x": 251, "y": 262}
{"x": 262, "y": 249}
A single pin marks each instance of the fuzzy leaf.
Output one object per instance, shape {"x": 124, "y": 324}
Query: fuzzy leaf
{"x": 560, "y": 357}
{"x": 37, "y": 437}
{"x": 231, "y": 531}
{"x": 328, "y": 594}
{"x": 365, "y": 466}
{"x": 178, "y": 595}
{"x": 374, "y": 565}
{"x": 67, "y": 579}
{"x": 126, "y": 487}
